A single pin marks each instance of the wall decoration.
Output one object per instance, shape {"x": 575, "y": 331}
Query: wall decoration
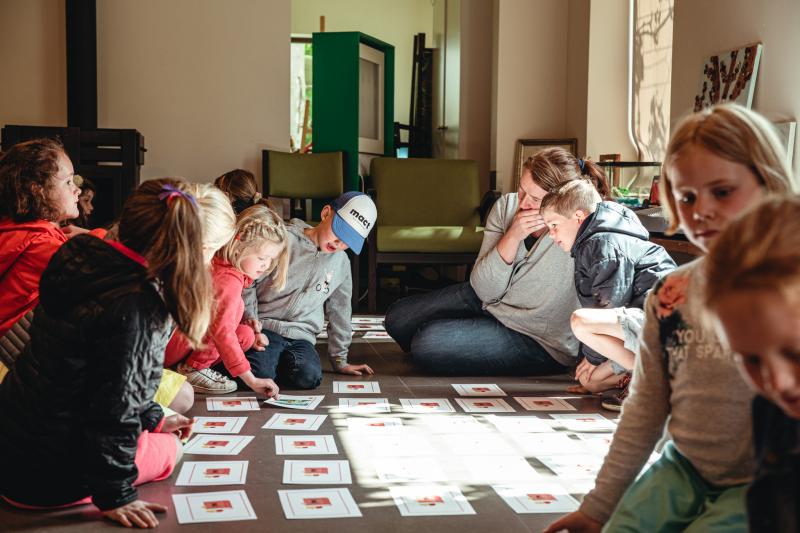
{"x": 528, "y": 147}
{"x": 787, "y": 132}
{"x": 729, "y": 76}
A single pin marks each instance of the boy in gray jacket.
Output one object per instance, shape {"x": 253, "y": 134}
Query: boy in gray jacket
{"x": 615, "y": 267}
{"x": 319, "y": 286}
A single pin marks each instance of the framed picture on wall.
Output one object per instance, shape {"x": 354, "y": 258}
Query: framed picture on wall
{"x": 528, "y": 147}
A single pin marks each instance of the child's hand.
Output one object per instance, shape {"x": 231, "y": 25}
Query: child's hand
{"x": 261, "y": 342}
{"x": 253, "y": 323}
{"x": 136, "y": 514}
{"x": 71, "y": 230}
{"x": 576, "y": 522}
{"x": 179, "y": 425}
{"x": 264, "y": 386}
{"x": 584, "y": 371}
{"x": 356, "y": 370}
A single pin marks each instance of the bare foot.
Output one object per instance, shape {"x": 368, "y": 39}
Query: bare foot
{"x": 578, "y": 389}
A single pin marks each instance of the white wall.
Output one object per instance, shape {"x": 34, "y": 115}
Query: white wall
{"x": 702, "y": 29}
{"x": 33, "y": 90}
{"x": 205, "y": 82}
{"x": 392, "y": 21}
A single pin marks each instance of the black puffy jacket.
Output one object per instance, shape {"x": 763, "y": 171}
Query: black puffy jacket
{"x": 79, "y": 396}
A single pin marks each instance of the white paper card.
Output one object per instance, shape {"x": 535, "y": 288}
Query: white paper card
{"x": 305, "y": 445}
{"x": 454, "y": 424}
{"x": 318, "y": 503}
{"x": 295, "y": 422}
{"x": 573, "y": 466}
{"x": 219, "y": 424}
{"x": 367, "y": 327}
{"x": 426, "y": 405}
{"x": 402, "y": 445}
{"x": 484, "y": 405}
{"x": 376, "y": 335}
{"x": 233, "y": 403}
{"x": 374, "y": 425}
{"x": 213, "y": 507}
{"x": 476, "y": 444}
{"x": 538, "y": 403}
{"x": 585, "y": 422}
{"x": 217, "y": 444}
{"x": 408, "y": 470}
{"x": 296, "y": 402}
{"x": 212, "y": 473}
{"x": 499, "y": 469}
{"x": 533, "y": 444}
{"x": 597, "y": 443}
{"x": 367, "y": 320}
{"x": 356, "y": 387}
{"x": 316, "y": 472}
{"x": 537, "y": 498}
{"x": 364, "y": 405}
{"x": 478, "y": 389}
{"x": 520, "y": 424}
{"x": 430, "y": 500}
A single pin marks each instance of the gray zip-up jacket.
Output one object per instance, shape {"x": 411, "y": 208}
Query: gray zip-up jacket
{"x": 535, "y": 295}
{"x": 319, "y": 285}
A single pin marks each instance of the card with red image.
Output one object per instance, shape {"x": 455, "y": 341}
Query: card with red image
{"x": 539, "y": 403}
{"x": 316, "y": 472}
{"x": 478, "y": 389}
{"x": 318, "y": 503}
{"x": 537, "y": 497}
{"x": 430, "y": 500}
{"x": 213, "y": 507}
{"x": 305, "y": 445}
{"x": 218, "y": 424}
{"x": 484, "y": 405}
{"x": 217, "y": 444}
{"x": 212, "y": 473}
{"x": 356, "y": 387}
{"x": 295, "y": 422}
{"x": 427, "y": 405}
{"x": 232, "y": 403}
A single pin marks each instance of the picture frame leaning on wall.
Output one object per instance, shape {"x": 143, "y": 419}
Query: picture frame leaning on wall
{"x": 528, "y": 147}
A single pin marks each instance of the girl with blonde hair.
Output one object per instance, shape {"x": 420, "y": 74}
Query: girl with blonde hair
{"x": 719, "y": 162}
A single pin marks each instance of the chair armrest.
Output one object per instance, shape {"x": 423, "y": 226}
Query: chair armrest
{"x": 487, "y": 202}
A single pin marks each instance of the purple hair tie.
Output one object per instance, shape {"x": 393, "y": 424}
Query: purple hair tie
{"x": 171, "y": 192}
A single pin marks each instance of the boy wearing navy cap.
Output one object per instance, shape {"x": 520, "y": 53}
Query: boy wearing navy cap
{"x": 319, "y": 286}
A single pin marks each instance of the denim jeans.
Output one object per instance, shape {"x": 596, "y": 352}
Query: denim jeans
{"x": 292, "y": 363}
{"x": 448, "y": 332}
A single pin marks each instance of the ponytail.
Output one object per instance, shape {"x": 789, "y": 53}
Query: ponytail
{"x": 161, "y": 221}
{"x": 551, "y": 167}
{"x": 594, "y": 173}
{"x": 241, "y": 187}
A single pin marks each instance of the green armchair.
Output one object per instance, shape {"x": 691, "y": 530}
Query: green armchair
{"x": 428, "y": 213}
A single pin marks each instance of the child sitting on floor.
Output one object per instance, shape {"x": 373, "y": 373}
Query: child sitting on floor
{"x": 753, "y": 273}
{"x": 320, "y": 286}
{"x": 719, "y": 162}
{"x": 258, "y": 248}
{"x": 615, "y": 267}
{"x": 78, "y": 419}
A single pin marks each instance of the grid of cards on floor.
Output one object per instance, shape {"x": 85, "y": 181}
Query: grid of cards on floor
{"x": 421, "y": 460}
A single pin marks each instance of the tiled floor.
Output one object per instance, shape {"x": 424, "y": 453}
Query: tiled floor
{"x": 398, "y": 379}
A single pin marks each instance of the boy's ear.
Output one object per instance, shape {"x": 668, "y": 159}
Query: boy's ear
{"x": 581, "y": 215}
{"x": 326, "y": 212}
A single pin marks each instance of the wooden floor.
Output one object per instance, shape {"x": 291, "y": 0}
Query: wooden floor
{"x": 398, "y": 379}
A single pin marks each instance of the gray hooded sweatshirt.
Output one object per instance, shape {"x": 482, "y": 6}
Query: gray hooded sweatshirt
{"x": 319, "y": 286}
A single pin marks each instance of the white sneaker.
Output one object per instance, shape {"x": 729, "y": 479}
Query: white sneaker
{"x": 207, "y": 381}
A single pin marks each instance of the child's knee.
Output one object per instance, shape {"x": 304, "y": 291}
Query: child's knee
{"x": 307, "y": 378}
{"x": 184, "y": 400}
{"x": 578, "y": 322}
{"x": 246, "y": 336}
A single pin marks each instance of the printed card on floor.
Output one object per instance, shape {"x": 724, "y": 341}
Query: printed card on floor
{"x": 477, "y": 389}
{"x": 484, "y": 405}
{"x": 537, "y": 498}
{"x": 430, "y": 500}
{"x": 376, "y": 335}
{"x": 219, "y": 424}
{"x": 364, "y": 405}
{"x": 296, "y": 402}
{"x": 454, "y": 424}
{"x": 213, "y": 507}
{"x": 499, "y": 469}
{"x": 318, "y": 503}
{"x": 520, "y": 424}
{"x": 408, "y": 470}
{"x": 295, "y": 422}
{"x": 212, "y": 473}
{"x": 356, "y": 387}
{"x": 316, "y": 472}
{"x": 537, "y": 403}
{"x": 305, "y": 445}
{"x": 597, "y": 444}
{"x": 233, "y": 403}
{"x": 374, "y": 425}
{"x": 585, "y": 422}
{"x": 572, "y": 466}
{"x": 533, "y": 444}
{"x": 367, "y": 320}
{"x": 402, "y": 445}
{"x": 367, "y": 327}
{"x": 217, "y": 444}
{"x": 476, "y": 444}
{"x": 426, "y": 405}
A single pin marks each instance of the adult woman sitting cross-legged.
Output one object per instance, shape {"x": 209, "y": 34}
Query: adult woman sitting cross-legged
{"x": 513, "y": 316}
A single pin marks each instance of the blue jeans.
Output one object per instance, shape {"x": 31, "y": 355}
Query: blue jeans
{"x": 448, "y": 332}
{"x": 292, "y": 363}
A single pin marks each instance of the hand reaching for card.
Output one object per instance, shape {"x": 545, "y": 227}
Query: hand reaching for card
{"x": 576, "y": 522}
{"x": 136, "y": 514}
{"x": 356, "y": 370}
{"x": 179, "y": 425}
{"x": 264, "y": 386}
